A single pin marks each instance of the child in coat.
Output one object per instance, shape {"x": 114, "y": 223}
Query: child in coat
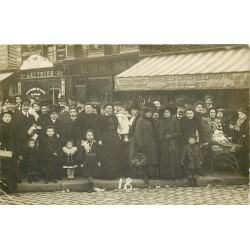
{"x": 192, "y": 156}
{"x": 69, "y": 158}
{"x": 31, "y": 160}
{"x": 232, "y": 135}
{"x": 89, "y": 158}
{"x": 123, "y": 127}
{"x": 50, "y": 150}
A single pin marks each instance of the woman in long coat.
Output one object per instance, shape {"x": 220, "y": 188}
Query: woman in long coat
{"x": 169, "y": 132}
{"x": 8, "y": 167}
{"x": 146, "y": 141}
{"x": 242, "y": 126}
{"x": 110, "y": 149}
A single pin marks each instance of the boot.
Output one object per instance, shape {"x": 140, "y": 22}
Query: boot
{"x": 90, "y": 187}
{"x": 200, "y": 172}
{"x": 194, "y": 183}
{"x": 29, "y": 178}
{"x": 189, "y": 182}
{"x": 146, "y": 179}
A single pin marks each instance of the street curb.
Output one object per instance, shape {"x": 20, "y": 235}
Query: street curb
{"x": 80, "y": 184}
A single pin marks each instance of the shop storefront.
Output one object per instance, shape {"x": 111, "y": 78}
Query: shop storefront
{"x": 93, "y": 78}
{"x": 223, "y": 73}
{"x": 40, "y": 84}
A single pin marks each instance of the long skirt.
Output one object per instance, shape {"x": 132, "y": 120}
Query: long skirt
{"x": 111, "y": 154}
{"x": 170, "y": 162}
{"x": 8, "y": 175}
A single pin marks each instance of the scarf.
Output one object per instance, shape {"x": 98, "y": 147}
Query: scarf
{"x": 152, "y": 123}
{"x": 239, "y": 123}
{"x": 87, "y": 145}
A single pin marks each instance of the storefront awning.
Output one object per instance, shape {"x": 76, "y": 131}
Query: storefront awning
{"x": 225, "y": 69}
{"x": 5, "y": 75}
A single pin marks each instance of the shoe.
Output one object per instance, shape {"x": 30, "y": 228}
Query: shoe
{"x": 194, "y": 184}
{"x": 90, "y": 187}
{"x": 189, "y": 182}
{"x": 46, "y": 182}
{"x": 54, "y": 181}
{"x": 200, "y": 172}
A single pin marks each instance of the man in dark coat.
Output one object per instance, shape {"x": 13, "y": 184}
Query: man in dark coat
{"x": 24, "y": 121}
{"x": 18, "y": 100}
{"x": 80, "y": 106}
{"x": 87, "y": 121}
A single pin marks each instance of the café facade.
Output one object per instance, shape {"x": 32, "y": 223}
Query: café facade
{"x": 223, "y": 73}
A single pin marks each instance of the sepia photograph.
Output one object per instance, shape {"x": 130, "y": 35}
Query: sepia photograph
{"x": 124, "y": 124}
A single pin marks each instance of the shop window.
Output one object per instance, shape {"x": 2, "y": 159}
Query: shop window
{"x": 60, "y": 52}
{"x": 128, "y": 48}
{"x": 12, "y": 62}
{"x": 99, "y": 90}
{"x": 96, "y": 50}
{"x": 70, "y": 51}
{"x": 49, "y": 52}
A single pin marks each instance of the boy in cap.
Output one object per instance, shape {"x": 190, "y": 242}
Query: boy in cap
{"x": 53, "y": 121}
{"x": 192, "y": 157}
{"x": 50, "y": 149}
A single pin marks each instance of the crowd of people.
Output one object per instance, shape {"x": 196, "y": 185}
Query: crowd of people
{"x": 147, "y": 141}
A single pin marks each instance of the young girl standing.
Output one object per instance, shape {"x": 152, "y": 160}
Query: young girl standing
{"x": 89, "y": 158}
{"x": 69, "y": 158}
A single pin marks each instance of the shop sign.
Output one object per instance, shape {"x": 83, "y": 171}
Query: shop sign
{"x": 104, "y": 67}
{"x": 184, "y": 82}
{"x": 60, "y": 52}
{"x": 35, "y": 92}
{"x": 48, "y": 73}
{"x": 29, "y": 50}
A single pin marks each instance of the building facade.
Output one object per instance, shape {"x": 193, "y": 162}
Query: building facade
{"x": 51, "y": 72}
{"x": 166, "y": 72}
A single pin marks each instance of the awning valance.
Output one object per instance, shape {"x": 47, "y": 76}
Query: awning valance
{"x": 202, "y": 70}
{"x": 5, "y": 75}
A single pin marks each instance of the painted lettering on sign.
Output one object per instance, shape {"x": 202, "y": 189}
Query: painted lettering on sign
{"x": 176, "y": 82}
{"x": 35, "y": 89}
{"x": 108, "y": 67}
{"x": 40, "y": 74}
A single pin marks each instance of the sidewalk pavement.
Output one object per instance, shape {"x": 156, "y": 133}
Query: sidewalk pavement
{"x": 80, "y": 184}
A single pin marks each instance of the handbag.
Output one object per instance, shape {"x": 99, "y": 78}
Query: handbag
{"x": 139, "y": 160}
{"x": 4, "y": 154}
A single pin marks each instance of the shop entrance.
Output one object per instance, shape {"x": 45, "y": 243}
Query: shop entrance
{"x": 99, "y": 90}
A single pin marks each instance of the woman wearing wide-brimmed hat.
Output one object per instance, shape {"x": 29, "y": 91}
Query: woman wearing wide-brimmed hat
{"x": 146, "y": 140}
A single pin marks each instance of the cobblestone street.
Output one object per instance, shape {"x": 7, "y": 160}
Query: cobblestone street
{"x": 211, "y": 195}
